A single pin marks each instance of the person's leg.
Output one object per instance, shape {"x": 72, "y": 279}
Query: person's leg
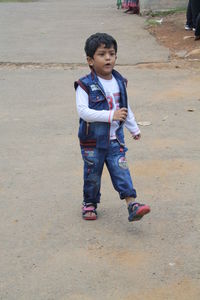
{"x": 137, "y": 9}
{"x": 121, "y": 179}
{"x": 197, "y": 31}
{"x": 119, "y": 4}
{"x": 93, "y": 166}
{"x": 195, "y": 7}
{"x": 189, "y": 23}
{"x": 122, "y": 182}
{"x": 119, "y": 172}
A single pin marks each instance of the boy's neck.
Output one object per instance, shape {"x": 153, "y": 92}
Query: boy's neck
{"x": 109, "y": 77}
{"x": 106, "y": 77}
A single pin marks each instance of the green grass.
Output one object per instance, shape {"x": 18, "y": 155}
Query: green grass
{"x": 163, "y": 13}
{"x": 151, "y": 21}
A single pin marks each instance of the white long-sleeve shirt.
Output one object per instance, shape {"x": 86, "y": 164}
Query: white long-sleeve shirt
{"x": 112, "y": 91}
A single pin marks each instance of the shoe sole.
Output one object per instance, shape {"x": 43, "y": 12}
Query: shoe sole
{"x": 90, "y": 218}
{"x": 140, "y": 213}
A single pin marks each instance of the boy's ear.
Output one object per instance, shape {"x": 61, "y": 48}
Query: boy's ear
{"x": 90, "y": 61}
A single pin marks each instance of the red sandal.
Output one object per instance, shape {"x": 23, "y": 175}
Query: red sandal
{"x": 89, "y": 212}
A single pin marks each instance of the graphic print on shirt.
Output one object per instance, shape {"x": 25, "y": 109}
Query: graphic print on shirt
{"x": 117, "y": 98}
{"x": 113, "y": 103}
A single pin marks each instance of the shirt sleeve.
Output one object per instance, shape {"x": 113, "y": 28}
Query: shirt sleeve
{"x": 131, "y": 123}
{"x": 88, "y": 114}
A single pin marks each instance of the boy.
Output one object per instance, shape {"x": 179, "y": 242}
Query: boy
{"x": 103, "y": 109}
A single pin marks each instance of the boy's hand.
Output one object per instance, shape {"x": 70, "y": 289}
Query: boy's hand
{"x": 120, "y": 114}
{"x": 137, "y": 136}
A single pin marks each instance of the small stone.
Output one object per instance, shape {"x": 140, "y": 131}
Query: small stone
{"x": 181, "y": 53}
{"x": 165, "y": 118}
{"x": 144, "y": 123}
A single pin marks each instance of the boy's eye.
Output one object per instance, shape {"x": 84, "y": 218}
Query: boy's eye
{"x": 102, "y": 54}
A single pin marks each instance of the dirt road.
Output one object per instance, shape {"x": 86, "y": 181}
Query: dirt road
{"x": 47, "y": 250}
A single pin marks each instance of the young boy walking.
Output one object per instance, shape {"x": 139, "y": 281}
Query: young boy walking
{"x": 103, "y": 108}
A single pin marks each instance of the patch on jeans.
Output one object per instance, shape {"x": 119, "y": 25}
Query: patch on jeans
{"x": 123, "y": 163}
{"x": 89, "y": 153}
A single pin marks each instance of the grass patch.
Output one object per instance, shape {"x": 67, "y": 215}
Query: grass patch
{"x": 154, "y": 16}
{"x": 163, "y": 13}
{"x": 151, "y": 22}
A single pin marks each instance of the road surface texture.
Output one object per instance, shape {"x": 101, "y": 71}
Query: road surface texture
{"x": 47, "y": 252}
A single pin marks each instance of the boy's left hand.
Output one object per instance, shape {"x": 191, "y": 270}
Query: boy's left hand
{"x": 137, "y": 136}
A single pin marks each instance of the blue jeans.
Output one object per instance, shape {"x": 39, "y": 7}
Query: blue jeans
{"x": 115, "y": 160}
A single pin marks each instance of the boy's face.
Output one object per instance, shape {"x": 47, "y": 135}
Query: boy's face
{"x": 103, "y": 61}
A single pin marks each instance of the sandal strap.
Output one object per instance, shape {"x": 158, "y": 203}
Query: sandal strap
{"x": 135, "y": 203}
{"x": 90, "y": 208}
{"x": 85, "y": 204}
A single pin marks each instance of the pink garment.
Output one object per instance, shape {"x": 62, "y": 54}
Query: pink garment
{"x": 132, "y": 5}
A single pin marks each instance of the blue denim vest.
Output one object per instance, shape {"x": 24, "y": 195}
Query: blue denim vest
{"x": 97, "y": 134}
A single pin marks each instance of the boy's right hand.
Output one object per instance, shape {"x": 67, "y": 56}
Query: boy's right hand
{"x": 120, "y": 114}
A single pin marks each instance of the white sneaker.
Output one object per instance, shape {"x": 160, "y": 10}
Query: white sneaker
{"x": 187, "y": 27}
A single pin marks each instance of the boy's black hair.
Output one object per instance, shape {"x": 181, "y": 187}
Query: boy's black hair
{"x": 96, "y": 40}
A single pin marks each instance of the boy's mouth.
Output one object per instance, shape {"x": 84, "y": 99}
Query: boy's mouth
{"x": 108, "y": 65}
